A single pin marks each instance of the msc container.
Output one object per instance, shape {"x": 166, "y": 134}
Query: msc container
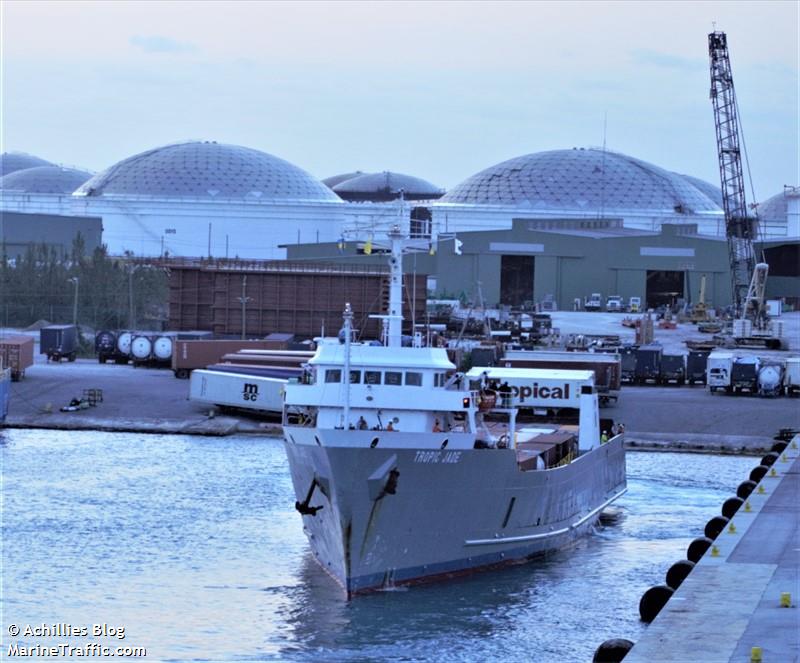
{"x": 673, "y": 369}
{"x": 627, "y": 357}
{"x": 283, "y": 372}
{"x": 744, "y": 374}
{"x": 607, "y": 367}
{"x": 17, "y": 354}
{"x": 251, "y": 392}
{"x": 648, "y": 363}
{"x": 791, "y": 376}
{"x": 770, "y": 378}
{"x": 59, "y": 342}
{"x": 718, "y": 373}
{"x": 190, "y": 355}
{"x": 696, "y": 364}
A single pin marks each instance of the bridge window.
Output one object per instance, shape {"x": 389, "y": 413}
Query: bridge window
{"x": 372, "y": 377}
{"x": 414, "y": 379}
{"x": 333, "y": 375}
{"x": 393, "y": 377}
{"x": 355, "y": 377}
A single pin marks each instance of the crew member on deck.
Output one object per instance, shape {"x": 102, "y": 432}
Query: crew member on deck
{"x": 436, "y": 427}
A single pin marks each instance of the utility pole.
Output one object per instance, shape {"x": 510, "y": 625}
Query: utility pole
{"x": 74, "y": 280}
{"x": 130, "y": 296}
{"x": 243, "y": 300}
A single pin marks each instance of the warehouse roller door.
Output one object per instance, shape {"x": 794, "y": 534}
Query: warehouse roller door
{"x": 664, "y": 287}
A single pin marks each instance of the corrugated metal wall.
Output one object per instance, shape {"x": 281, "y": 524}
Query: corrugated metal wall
{"x": 283, "y": 297}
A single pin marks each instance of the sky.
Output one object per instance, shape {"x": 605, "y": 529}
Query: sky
{"x": 438, "y": 90}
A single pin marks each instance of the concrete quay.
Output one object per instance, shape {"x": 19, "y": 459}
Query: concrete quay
{"x": 729, "y": 608}
{"x": 154, "y": 401}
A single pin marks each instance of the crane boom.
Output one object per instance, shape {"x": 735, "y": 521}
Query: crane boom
{"x": 741, "y": 228}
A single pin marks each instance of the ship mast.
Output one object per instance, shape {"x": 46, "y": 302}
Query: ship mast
{"x": 395, "y": 314}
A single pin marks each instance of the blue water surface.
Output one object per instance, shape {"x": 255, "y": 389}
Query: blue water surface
{"x": 193, "y": 545}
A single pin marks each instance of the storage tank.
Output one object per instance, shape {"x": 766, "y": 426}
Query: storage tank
{"x": 770, "y": 378}
{"x": 162, "y": 349}
{"x": 124, "y": 339}
{"x": 141, "y": 349}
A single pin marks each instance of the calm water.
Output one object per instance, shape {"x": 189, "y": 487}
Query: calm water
{"x": 193, "y": 545}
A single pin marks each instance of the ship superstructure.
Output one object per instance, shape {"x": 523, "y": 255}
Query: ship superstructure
{"x": 405, "y": 469}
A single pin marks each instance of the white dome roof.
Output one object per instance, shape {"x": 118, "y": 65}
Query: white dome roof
{"x": 207, "y": 170}
{"x": 586, "y": 180}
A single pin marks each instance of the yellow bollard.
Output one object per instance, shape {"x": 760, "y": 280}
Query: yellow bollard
{"x": 783, "y": 458}
{"x": 761, "y": 490}
{"x": 794, "y": 444}
{"x": 714, "y": 551}
{"x": 747, "y": 507}
{"x": 731, "y": 529}
{"x": 755, "y": 655}
{"x": 773, "y": 473}
{"x": 786, "y": 600}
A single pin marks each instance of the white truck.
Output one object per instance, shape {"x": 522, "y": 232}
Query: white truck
{"x": 594, "y": 302}
{"x": 635, "y": 304}
{"x": 718, "y": 370}
{"x": 615, "y": 304}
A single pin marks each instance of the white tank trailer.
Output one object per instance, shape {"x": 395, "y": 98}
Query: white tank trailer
{"x": 770, "y": 378}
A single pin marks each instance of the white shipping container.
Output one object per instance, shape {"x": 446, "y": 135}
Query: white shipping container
{"x": 791, "y": 375}
{"x": 237, "y": 390}
{"x": 539, "y": 387}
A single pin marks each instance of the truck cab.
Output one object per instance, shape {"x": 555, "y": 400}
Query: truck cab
{"x": 594, "y": 302}
{"x": 635, "y": 304}
{"x": 615, "y": 304}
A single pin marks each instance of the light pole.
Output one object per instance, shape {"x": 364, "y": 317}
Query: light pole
{"x": 74, "y": 280}
{"x": 244, "y": 299}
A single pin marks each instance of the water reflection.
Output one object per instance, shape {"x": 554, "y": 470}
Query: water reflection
{"x": 193, "y": 544}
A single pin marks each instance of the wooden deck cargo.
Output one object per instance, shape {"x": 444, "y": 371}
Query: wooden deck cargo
{"x": 280, "y": 296}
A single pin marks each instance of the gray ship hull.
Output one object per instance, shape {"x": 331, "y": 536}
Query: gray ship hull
{"x": 392, "y": 516}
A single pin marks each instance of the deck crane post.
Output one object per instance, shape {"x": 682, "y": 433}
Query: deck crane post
{"x": 741, "y": 227}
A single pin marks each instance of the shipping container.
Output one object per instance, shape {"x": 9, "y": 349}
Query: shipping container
{"x": 791, "y": 376}
{"x": 673, "y": 369}
{"x": 696, "y": 363}
{"x": 744, "y": 374}
{"x": 607, "y": 367}
{"x": 190, "y": 355}
{"x": 648, "y": 363}
{"x": 59, "y": 342}
{"x": 283, "y": 372}
{"x": 17, "y": 354}
{"x": 236, "y": 390}
{"x": 627, "y": 356}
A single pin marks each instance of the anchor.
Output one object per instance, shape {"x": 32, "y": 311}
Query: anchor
{"x": 303, "y": 507}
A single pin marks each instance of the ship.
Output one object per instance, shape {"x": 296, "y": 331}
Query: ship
{"x": 406, "y": 471}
